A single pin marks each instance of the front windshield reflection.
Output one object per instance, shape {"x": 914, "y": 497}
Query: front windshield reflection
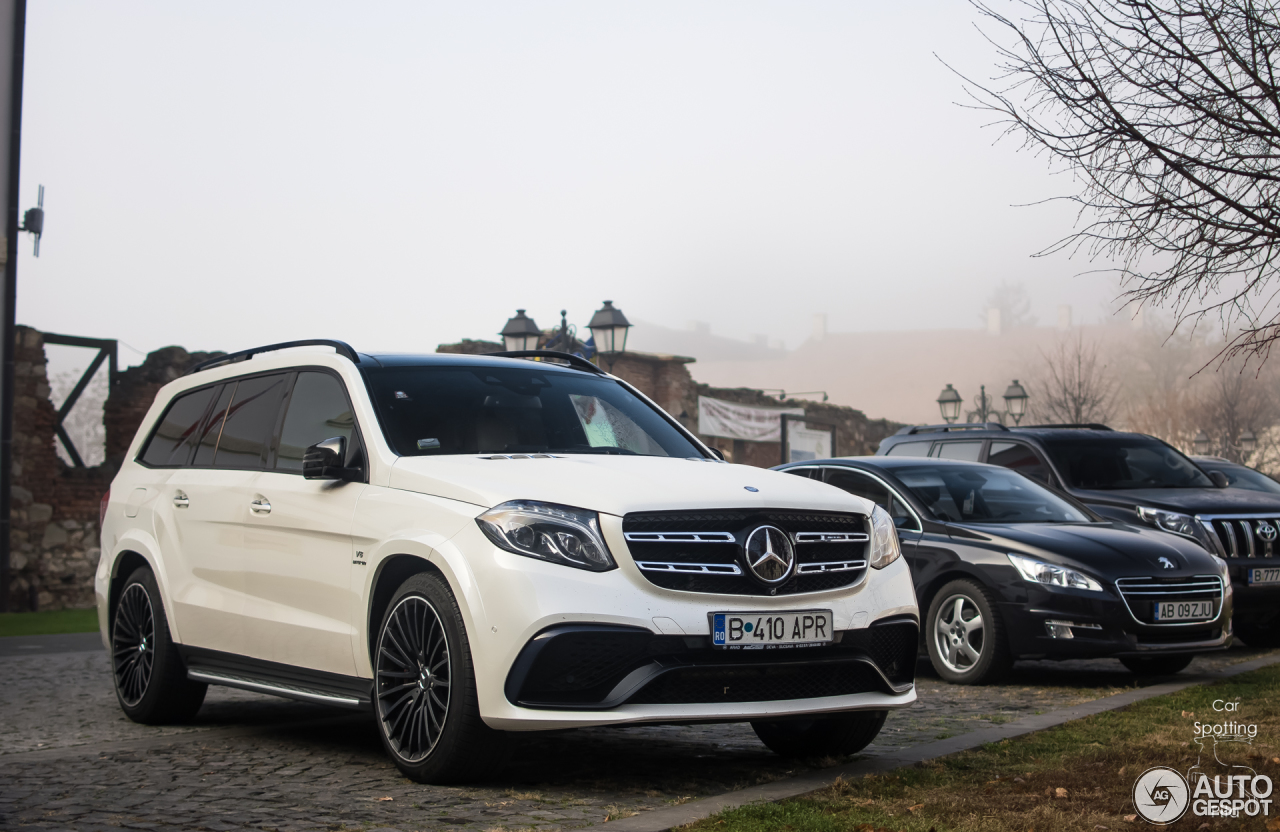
{"x": 982, "y": 494}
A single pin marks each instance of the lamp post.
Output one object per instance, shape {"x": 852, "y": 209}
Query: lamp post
{"x": 949, "y": 403}
{"x": 609, "y": 332}
{"x": 985, "y": 411}
{"x": 1248, "y": 443}
{"x": 520, "y": 333}
{"x": 1015, "y": 401}
{"x": 1201, "y": 443}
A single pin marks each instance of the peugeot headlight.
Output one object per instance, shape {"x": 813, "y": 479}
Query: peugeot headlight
{"x": 1170, "y": 521}
{"x": 884, "y": 539}
{"x": 1040, "y": 572}
{"x": 559, "y": 534}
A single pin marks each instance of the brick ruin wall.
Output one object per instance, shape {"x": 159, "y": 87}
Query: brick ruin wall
{"x": 54, "y": 519}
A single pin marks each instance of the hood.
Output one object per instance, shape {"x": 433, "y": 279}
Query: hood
{"x": 616, "y": 484}
{"x": 1107, "y": 550}
{"x": 1188, "y": 500}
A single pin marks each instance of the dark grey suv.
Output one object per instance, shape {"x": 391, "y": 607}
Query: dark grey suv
{"x": 1138, "y": 479}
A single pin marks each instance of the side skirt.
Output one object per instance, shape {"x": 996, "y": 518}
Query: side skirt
{"x": 234, "y": 671}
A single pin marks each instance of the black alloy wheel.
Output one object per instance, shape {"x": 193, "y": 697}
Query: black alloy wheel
{"x": 833, "y": 736}
{"x": 1260, "y": 635}
{"x": 133, "y": 644}
{"x": 413, "y": 678}
{"x": 965, "y": 635}
{"x": 150, "y": 678}
{"x": 428, "y": 713}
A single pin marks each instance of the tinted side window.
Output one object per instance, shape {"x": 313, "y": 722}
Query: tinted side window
{"x": 861, "y": 485}
{"x": 967, "y": 451}
{"x": 318, "y": 410}
{"x": 910, "y": 449}
{"x": 1019, "y": 458}
{"x": 172, "y": 441}
{"x": 808, "y": 473}
{"x": 250, "y": 421}
{"x": 207, "y": 442}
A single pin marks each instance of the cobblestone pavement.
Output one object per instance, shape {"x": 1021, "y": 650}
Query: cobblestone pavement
{"x": 255, "y": 762}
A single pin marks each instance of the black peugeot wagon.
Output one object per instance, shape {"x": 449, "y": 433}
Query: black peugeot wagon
{"x": 1137, "y": 479}
{"x": 1008, "y": 569}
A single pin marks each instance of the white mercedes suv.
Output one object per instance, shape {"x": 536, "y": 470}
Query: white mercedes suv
{"x": 474, "y": 545}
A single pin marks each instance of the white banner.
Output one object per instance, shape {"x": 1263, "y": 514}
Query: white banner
{"x": 803, "y": 443}
{"x": 739, "y": 421}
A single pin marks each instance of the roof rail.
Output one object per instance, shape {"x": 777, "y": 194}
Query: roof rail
{"x": 913, "y": 429}
{"x": 575, "y": 361}
{"x": 1080, "y": 426}
{"x": 341, "y": 347}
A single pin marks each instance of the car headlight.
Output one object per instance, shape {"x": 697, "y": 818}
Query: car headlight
{"x": 559, "y": 534}
{"x": 1170, "y": 521}
{"x": 884, "y": 539}
{"x": 1040, "y": 572}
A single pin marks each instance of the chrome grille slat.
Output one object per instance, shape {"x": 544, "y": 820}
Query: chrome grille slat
{"x": 678, "y": 537}
{"x": 1149, "y": 591}
{"x": 690, "y": 568}
{"x": 830, "y": 566}
{"x": 1249, "y": 532}
{"x": 1237, "y": 534}
{"x": 831, "y": 537}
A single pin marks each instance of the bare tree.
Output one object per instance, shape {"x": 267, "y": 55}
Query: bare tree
{"x": 1014, "y": 304}
{"x": 1075, "y": 386}
{"x": 1168, "y": 114}
{"x": 1233, "y": 400}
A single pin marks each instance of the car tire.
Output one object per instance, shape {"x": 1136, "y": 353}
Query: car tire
{"x": 1156, "y": 665}
{"x": 837, "y": 736}
{"x": 431, "y": 725}
{"x": 965, "y": 635}
{"x": 150, "y": 677}
{"x": 1254, "y": 635}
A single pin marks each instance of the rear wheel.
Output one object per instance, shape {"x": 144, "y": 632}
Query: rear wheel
{"x": 965, "y": 635}
{"x": 150, "y": 679}
{"x": 1260, "y": 636}
{"x": 425, "y": 689}
{"x": 836, "y": 736}
{"x": 1156, "y": 665}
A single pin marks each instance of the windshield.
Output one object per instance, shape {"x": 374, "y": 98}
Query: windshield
{"x": 1247, "y": 478}
{"x": 973, "y": 494}
{"x": 430, "y": 411}
{"x": 1124, "y": 462}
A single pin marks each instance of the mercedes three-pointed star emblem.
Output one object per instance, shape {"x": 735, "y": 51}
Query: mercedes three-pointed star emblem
{"x": 769, "y": 555}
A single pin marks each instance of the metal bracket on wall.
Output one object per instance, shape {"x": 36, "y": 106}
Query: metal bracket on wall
{"x": 107, "y": 349}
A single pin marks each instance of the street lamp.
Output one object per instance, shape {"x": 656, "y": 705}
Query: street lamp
{"x": 1201, "y": 443}
{"x": 520, "y": 333}
{"x": 609, "y": 331}
{"x": 1248, "y": 442}
{"x": 949, "y": 402}
{"x": 1015, "y": 401}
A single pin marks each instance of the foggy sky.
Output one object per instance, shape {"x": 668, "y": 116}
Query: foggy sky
{"x": 405, "y": 174}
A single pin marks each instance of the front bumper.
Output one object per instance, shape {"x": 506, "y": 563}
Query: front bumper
{"x": 1104, "y": 626}
{"x": 1258, "y": 605}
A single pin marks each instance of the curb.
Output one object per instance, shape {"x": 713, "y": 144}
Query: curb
{"x": 661, "y": 820}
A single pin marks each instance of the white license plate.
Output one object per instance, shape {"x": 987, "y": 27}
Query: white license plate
{"x": 759, "y": 631}
{"x": 1264, "y": 576}
{"x": 1183, "y": 610}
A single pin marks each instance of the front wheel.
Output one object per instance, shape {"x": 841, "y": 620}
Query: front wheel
{"x": 837, "y": 736}
{"x": 1156, "y": 665}
{"x": 1255, "y": 635}
{"x": 425, "y": 689}
{"x": 965, "y": 635}
{"x": 150, "y": 678}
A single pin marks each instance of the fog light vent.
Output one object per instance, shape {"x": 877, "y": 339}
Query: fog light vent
{"x": 1062, "y": 629}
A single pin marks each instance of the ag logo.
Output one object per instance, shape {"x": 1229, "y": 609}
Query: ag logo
{"x": 769, "y": 554}
{"x": 1266, "y": 531}
{"x": 1161, "y": 795}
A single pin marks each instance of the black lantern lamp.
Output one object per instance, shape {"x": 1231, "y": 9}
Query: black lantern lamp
{"x": 609, "y": 331}
{"x": 520, "y": 333}
{"x": 1015, "y": 401}
{"x": 949, "y": 402}
{"x": 1248, "y": 442}
{"x": 1201, "y": 443}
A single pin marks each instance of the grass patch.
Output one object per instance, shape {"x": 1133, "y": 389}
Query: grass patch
{"x": 1076, "y": 777}
{"x": 48, "y": 623}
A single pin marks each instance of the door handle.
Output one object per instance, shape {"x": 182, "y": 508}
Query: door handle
{"x": 180, "y": 500}
{"x": 260, "y": 506}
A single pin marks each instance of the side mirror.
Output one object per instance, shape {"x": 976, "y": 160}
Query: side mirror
{"x": 1219, "y": 479}
{"x": 324, "y": 460}
{"x": 719, "y": 454}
